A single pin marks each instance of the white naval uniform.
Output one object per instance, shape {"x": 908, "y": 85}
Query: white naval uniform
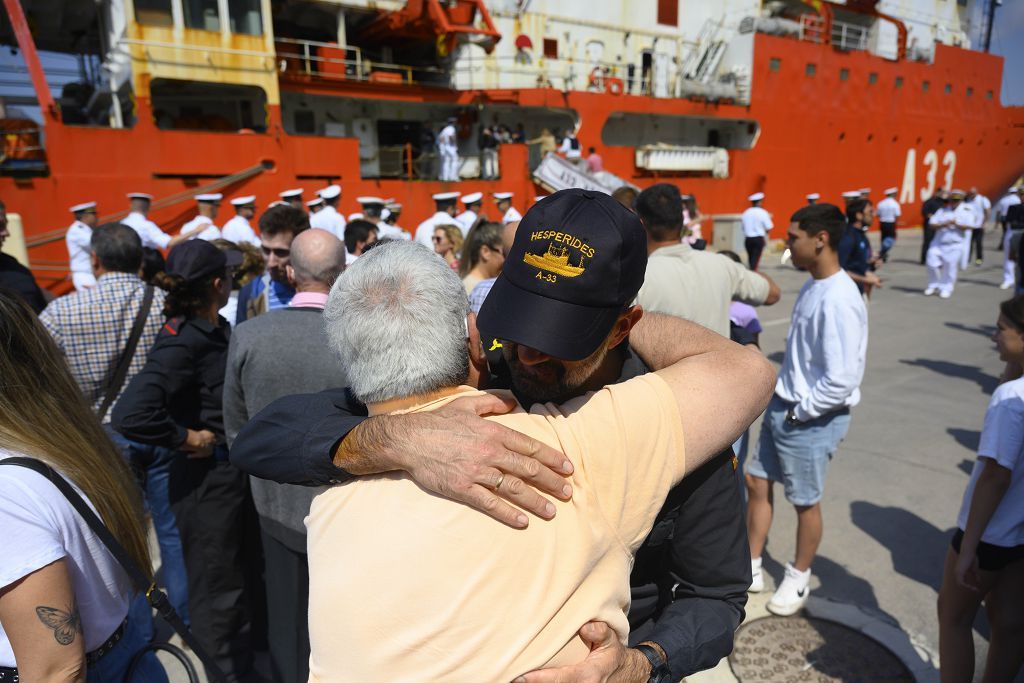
{"x": 149, "y": 232}
{"x": 943, "y": 257}
{"x": 511, "y": 216}
{"x": 425, "y": 231}
{"x": 466, "y": 219}
{"x": 448, "y": 146}
{"x": 1009, "y": 267}
{"x": 756, "y": 222}
{"x": 239, "y": 230}
{"x": 330, "y": 220}
{"x": 211, "y": 233}
{"x": 393, "y": 232}
{"x": 79, "y": 255}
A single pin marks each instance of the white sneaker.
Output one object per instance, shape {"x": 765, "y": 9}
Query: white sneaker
{"x": 792, "y": 592}
{"x": 930, "y": 291}
{"x": 945, "y": 294}
{"x": 756, "y": 577}
{"x": 1006, "y": 285}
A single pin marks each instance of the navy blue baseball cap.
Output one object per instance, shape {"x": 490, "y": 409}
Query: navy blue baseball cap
{"x": 196, "y": 259}
{"x": 577, "y": 262}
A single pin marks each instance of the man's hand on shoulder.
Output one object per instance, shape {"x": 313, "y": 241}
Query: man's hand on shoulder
{"x": 609, "y": 661}
{"x": 457, "y": 454}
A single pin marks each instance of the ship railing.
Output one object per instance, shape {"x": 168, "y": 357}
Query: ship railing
{"x": 847, "y": 36}
{"x": 207, "y": 52}
{"x": 690, "y": 159}
{"x": 331, "y": 61}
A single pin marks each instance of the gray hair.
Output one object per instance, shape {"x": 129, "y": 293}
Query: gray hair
{"x": 397, "y": 319}
{"x": 317, "y": 256}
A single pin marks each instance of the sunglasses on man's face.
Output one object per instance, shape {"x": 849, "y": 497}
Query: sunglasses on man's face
{"x": 279, "y": 252}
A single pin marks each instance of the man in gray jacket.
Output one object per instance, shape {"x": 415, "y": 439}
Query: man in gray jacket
{"x": 285, "y": 352}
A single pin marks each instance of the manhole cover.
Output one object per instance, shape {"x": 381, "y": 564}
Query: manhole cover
{"x": 802, "y": 649}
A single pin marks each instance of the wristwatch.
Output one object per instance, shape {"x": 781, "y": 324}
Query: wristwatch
{"x": 791, "y": 418}
{"x": 659, "y": 667}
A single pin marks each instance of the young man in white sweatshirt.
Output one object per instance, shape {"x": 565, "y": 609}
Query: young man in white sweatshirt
{"x": 810, "y": 413}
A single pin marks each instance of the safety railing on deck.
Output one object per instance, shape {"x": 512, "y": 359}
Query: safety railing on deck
{"x": 331, "y": 61}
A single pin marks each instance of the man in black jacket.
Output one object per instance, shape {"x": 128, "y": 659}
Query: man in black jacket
{"x": 927, "y": 209}
{"x": 690, "y": 576}
{"x": 16, "y": 277}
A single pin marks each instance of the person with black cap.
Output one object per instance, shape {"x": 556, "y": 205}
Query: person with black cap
{"x": 175, "y": 401}
{"x": 321, "y": 438}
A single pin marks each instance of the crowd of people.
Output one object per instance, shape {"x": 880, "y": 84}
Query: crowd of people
{"x": 553, "y": 407}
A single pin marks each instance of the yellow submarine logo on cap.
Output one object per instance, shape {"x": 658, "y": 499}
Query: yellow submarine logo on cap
{"x": 556, "y": 259}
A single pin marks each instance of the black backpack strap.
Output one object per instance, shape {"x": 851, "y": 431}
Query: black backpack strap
{"x": 156, "y": 598}
{"x": 120, "y": 372}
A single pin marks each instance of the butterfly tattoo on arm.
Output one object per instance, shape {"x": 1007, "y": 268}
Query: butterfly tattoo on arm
{"x": 65, "y": 624}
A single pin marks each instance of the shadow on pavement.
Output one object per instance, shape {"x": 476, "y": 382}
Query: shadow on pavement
{"x": 917, "y": 548}
{"x": 837, "y": 583}
{"x": 966, "y": 466}
{"x": 985, "y": 331}
{"x": 904, "y": 288}
{"x": 777, "y": 357}
{"x": 987, "y": 383}
{"x": 968, "y": 438}
{"x": 973, "y": 281}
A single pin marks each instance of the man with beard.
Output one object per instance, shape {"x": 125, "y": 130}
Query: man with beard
{"x": 685, "y": 605}
{"x": 278, "y": 227}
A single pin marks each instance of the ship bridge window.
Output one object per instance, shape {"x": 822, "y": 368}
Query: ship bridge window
{"x": 551, "y": 48}
{"x": 154, "y": 12}
{"x": 774, "y": 64}
{"x": 192, "y": 105}
{"x": 872, "y": 78}
{"x": 844, "y": 74}
{"x": 201, "y": 14}
{"x": 244, "y": 17}
{"x": 988, "y": 94}
{"x": 628, "y": 129}
{"x": 899, "y": 82}
{"x": 811, "y": 69}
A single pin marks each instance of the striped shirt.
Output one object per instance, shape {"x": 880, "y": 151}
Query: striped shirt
{"x": 92, "y": 328}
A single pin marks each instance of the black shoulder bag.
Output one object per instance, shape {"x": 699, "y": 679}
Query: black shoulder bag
{"x": 154, "y": 596}
{"x": 120, "y": 372}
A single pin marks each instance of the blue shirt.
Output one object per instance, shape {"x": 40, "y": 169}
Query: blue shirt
{"x": 854, "y": 252}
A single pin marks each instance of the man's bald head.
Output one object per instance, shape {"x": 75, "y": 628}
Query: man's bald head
{"x": 317, "y": 259}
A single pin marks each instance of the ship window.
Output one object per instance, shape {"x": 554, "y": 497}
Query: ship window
{"x": 949, "y": 88}
{"x": 154, "y": 12}
{"x": 634, "y": 129}
{"x": 844, "y": 74}
{"x": 551, "y": 48}
{"x": 774, "y": 64}
{"x": 811, "y": 69}
{"x": 872, "y": 78}
{"x": 201, "y": 14}
{"x": 305, "y": 122}
{"x": 244, "y": 17}
{"x": 988, "y": 94}
{"x": 192, "y": 105}
{"x": 668, "y": 12}
{"x": 970, "y": 91}
{"x": 925, "y": 85}
{"x": 899, "y": 82}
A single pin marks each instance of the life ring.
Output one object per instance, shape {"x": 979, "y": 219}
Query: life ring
{"x": 614, "y": 86}
{"x": 596, "y": 77}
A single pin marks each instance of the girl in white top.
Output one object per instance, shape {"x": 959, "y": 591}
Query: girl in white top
{"x": 64, "y": 599}
{"x": 986, "y": 560}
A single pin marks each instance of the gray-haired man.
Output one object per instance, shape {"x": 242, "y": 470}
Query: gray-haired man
{"x": 285, "y": 352}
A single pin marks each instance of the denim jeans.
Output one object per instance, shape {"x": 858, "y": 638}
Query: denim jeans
{"x": 113, "y": 666}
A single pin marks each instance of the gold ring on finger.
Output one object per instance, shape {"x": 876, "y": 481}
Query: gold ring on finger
{"x": 501, "y": 478}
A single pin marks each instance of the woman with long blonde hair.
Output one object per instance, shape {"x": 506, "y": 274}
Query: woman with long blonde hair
{"x": 64, "y": 599}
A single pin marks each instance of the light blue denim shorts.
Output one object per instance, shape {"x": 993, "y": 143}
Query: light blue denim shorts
{"x": 797, "y": 455}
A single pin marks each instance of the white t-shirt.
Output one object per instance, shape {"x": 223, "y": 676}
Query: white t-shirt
{"x": 40, "y": 527}
{"x": 826, "y": 348}
{"x": 756, "y": 222}
{"x": 888, "y": 210}
{"x": 1002, "y": 440}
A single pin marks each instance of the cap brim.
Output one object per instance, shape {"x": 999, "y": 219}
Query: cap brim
{"x": 559, "y": 329}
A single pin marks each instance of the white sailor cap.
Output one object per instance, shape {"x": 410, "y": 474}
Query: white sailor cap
{"x": 394, "y": 207}
{"x": 314, "y": 202}
{"x": 813, "y": 195}
{"x": 756, "y": 197}
{"x": 244, "y": 201}
{"x": 84, "y": 206}
{"x": 212, "y": 197}
{"x": 498, "y": 196}
{"x": 472, "y": 198}
{"x": 864, "y": 190}
{"x": 891, "y": 190}
{"x": 140, "y": 195}
{"x": 444, "y": 196}
{"x": 276, "y": 202}
{"x": 354, "y": 216}
{"x": 851, "y": 194}
{"x": 370, "y": 201}
{"x": 330, "y": 192}
{"x": 1014, "y": 190}
{"x": 291, "y": 194}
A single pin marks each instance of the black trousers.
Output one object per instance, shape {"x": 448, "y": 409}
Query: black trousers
{"x": 754, "y": 247}
{"x": 287, "y": 579}
{"x": 977, "y": 238}
{"x": 212, "y": 505}
{"x": 929, "y": 235}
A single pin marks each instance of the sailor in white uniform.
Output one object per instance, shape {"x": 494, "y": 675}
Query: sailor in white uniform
{"x": 373, "y": 211}
{"x": 756, "y": 223}
{"x": 392, "y": 212}
{"x": 315, "y": 205}
{"x": 813, "y": 198}
{"x": 328, "y": 217}
{"x": 467, "y": 218}
{"x": 239, "y": 229}
{"x": 202, "y": 226}
{"x": 952, "y": 223}
{"x": 448, "y": 147}
{"x": 78, "y": 239}
{"x": 888, "y": 211}
{"x": 1012, "y": 198}
{"x": 444, "y": 202}
{"x": 138, "y": 220}
{"x": 293, "y": 198}
{"x": 505, "y": 208}
{"x": 849, "y": 196}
